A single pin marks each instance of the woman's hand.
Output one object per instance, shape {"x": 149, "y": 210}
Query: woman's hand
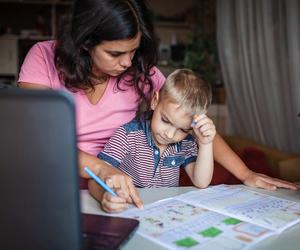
{"x": 266, "y": 182}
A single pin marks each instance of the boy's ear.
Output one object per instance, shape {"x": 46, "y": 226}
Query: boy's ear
{"x": 154, "y": 100}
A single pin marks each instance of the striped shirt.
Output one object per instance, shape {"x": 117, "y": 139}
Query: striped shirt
{"x": 133, "y": 151}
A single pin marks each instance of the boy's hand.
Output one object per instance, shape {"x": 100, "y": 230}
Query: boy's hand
{"x": 204, "y": 129}
{"x": 119, "y": 203}
{"x": 114, "y": 204}
{"x": 116, "y": 180}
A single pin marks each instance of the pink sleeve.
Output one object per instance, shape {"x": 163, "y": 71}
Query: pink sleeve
{"x": 38, "y": 66}
{"x": 158, "y": 78}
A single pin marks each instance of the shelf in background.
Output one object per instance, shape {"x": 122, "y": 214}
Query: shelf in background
{"x": 35, "y": 38}
{"x": 47, "y": 2}
{"x": 176, "y": 25}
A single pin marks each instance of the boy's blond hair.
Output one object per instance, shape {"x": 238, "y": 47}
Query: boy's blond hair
{"x": 189, "y": 90}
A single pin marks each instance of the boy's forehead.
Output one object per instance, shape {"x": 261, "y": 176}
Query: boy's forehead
{"x": 188, "y": 109}
{"x": 178, "y": 109}
{"x": 176, "y": 114}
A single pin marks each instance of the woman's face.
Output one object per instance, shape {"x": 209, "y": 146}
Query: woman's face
{"x": 114, "y": 57}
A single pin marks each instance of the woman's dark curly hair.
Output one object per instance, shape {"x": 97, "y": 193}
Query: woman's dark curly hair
{"x": 95, "y": 21}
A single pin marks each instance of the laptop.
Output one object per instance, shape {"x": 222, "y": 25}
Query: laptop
{"x": 39, "y": 180}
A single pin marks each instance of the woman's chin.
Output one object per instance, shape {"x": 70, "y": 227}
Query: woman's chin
{"x": 116, "y": 73}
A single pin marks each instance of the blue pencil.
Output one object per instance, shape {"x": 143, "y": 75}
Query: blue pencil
{"x": 99, "y": 181}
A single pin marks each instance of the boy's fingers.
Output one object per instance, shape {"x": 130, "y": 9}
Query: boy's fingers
{"x": 196, "y": 119}
{"x": 114, "y": 207}
{"x": 112, "y": 203}
{"x": 204, "y": 123}
{"x": 115, "y": 199}
{"x": 121, "y": 194}
{"x": 207, "y": 127}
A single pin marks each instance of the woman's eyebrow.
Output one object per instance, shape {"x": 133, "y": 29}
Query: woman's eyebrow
{"x": 114, "y": 51}
{"x": 119, "y": 52}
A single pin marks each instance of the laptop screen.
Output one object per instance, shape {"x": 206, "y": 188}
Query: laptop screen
{"x": 39, "y": 183}
{"x": 38, "y": 173}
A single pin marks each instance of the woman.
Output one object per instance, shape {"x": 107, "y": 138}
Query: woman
{"x": 105, "y": 57}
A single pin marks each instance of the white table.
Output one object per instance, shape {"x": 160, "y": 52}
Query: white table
{"x": 287, "y": 240}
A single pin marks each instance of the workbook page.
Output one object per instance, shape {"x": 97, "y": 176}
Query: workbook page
{"x": 180, "y": 225}
{"x": 261, "y": 209}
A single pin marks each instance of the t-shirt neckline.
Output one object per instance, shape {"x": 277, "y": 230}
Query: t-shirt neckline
{"x": 101, "y": 100}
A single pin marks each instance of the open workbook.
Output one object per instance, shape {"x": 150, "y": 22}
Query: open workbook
{"x": 218, "y": 217}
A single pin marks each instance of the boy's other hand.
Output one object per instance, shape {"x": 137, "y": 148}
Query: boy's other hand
{"x": 204, "y": 129}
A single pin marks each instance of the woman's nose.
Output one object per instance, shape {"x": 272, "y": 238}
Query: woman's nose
{"x": 125, "y": 61}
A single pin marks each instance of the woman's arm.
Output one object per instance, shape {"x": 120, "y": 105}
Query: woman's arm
{"x": 25, "y": 85}
{"x": 225, "y": 156}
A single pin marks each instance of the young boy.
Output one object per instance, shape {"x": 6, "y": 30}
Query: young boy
{"x": 152, "y": 148}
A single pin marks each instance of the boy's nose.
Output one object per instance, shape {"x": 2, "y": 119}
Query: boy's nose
{"x": 170, "y": 133}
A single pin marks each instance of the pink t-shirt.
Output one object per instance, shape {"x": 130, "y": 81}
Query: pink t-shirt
{"x": 95, "y": 123}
